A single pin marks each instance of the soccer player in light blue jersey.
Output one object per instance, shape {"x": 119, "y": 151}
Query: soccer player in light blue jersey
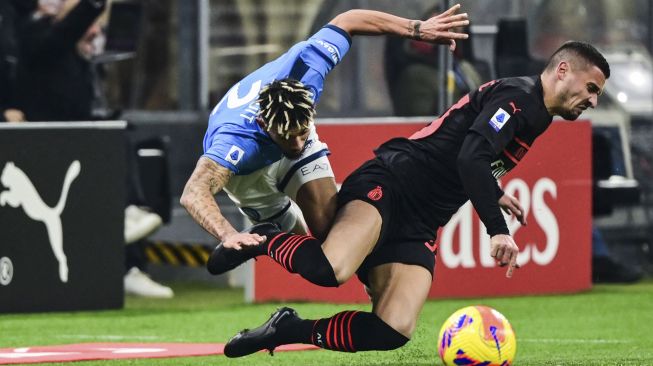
{"x": 261, "y": 146}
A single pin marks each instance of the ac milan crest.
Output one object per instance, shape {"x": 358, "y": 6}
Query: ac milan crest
{"x": 375, "y": 194}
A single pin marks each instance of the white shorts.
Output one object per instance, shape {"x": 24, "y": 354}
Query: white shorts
{"x": 267, "y": 194}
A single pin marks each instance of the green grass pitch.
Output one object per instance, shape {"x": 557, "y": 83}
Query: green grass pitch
{"x": 609, "y": 325}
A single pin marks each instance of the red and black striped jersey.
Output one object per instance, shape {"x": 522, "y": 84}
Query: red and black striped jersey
{"x": 496, "y": 125}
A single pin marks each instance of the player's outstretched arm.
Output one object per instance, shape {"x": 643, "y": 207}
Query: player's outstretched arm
{"x": 207, "y": 180}
{"x": 437, "y": 29}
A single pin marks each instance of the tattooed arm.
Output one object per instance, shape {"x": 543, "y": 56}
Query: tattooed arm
{"x": 436, "y": 29}
{"x": 207, "y": 180}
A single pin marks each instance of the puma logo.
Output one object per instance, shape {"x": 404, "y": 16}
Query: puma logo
{"x": 21, "y": 192}
{"x": 514, "y": 108}
{"x": 431, "y": 245}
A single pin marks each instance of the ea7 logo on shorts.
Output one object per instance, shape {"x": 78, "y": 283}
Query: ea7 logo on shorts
{"x": 234, "y": 155}
{"x": 499, "y": 119}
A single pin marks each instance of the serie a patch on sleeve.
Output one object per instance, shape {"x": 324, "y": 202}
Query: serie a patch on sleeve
{"x": 499, "y": 119}
{"x": 234, "y": 155}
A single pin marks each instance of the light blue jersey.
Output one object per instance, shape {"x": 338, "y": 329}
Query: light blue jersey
{"x": 233, "y": 138}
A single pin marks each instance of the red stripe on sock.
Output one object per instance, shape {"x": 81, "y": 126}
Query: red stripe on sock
{"x": 287, "y": 250}
{"x": 342, "y": 330}
{"x": 295, "y": 248}
{"x": 280, "y": 247}
{"x": 328, "y": 335}
{"x": 336, "y": 320}
{"x": 351, "y": 342}
{"x": 272, "y": 242}
{"x": 282, "y": 250}
{"x": 278, "y": 252}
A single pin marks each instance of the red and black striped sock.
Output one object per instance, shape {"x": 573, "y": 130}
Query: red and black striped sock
{"x": 302, "y": 254}
{"x": 348, "y": 331}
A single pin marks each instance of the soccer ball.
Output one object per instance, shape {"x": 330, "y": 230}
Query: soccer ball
{"x": 477, "y": 335}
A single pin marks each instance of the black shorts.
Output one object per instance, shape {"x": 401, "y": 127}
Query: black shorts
{"x": 405, "y": 237}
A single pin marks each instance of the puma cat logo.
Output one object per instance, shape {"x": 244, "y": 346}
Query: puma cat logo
{"x": 514, "y": 108}
{"x": 21, "y": 192}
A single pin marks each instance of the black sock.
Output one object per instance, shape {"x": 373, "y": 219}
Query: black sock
{"x": 348, "y": 331}
{"x": 302, "y": 254}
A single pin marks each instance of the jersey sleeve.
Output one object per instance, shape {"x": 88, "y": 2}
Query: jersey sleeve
{"x": 331, "y": 42}
{"x": 230, "y": 150}
{"x": 320, "y": 54}
{"x": 479, "y": 184}
{"x": 506, "y": 113}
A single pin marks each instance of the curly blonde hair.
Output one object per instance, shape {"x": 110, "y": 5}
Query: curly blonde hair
{"x": 286, "y": 105}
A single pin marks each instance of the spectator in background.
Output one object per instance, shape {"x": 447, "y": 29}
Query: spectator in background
{"x": 10, "y": 13}
{"x": 55, "y": 78}
{"x": 56, "y": 81}
{"x": 411, "y": 70}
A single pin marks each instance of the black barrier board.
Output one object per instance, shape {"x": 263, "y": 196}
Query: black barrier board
{"x": 62, "y": 199}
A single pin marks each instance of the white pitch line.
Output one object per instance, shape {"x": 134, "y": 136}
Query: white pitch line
{"x": 109, "y": 337}
{"x": 573, "y": 341}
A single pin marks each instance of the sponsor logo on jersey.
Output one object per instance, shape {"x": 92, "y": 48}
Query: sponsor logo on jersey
{"x": 514, "y": 108}
{"x": 499, "y": 168}
{"x": 330, "y": 48}
{"x": 375, "y": 194}
{"x": 432, "y": 246}
{"x": 499, "y": 119}
{"x": 234, "y": 155}
{"x": 312, "y": 168}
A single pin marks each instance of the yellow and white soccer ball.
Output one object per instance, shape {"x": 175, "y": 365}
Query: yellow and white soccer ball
{"x": 477, "y": 335}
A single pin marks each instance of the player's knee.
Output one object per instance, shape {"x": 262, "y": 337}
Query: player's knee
{"x": 342, "y": 267}
{"x": 342, "y": 272}
{"x": 401, "y": 323}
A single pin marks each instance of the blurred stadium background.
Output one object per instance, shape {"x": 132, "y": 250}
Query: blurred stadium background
{"x": 169, "y": 62}
{"x": 190, "y": 53}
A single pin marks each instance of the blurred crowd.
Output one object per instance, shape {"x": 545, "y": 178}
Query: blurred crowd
{"x": 48, "y": 73}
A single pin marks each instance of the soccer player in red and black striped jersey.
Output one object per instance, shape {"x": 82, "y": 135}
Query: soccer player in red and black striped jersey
{"x": 390, "y": 209}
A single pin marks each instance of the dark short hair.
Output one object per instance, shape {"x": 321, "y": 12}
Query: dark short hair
{"x": 582, "y": 50}
{"x": 286, "y": 105}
